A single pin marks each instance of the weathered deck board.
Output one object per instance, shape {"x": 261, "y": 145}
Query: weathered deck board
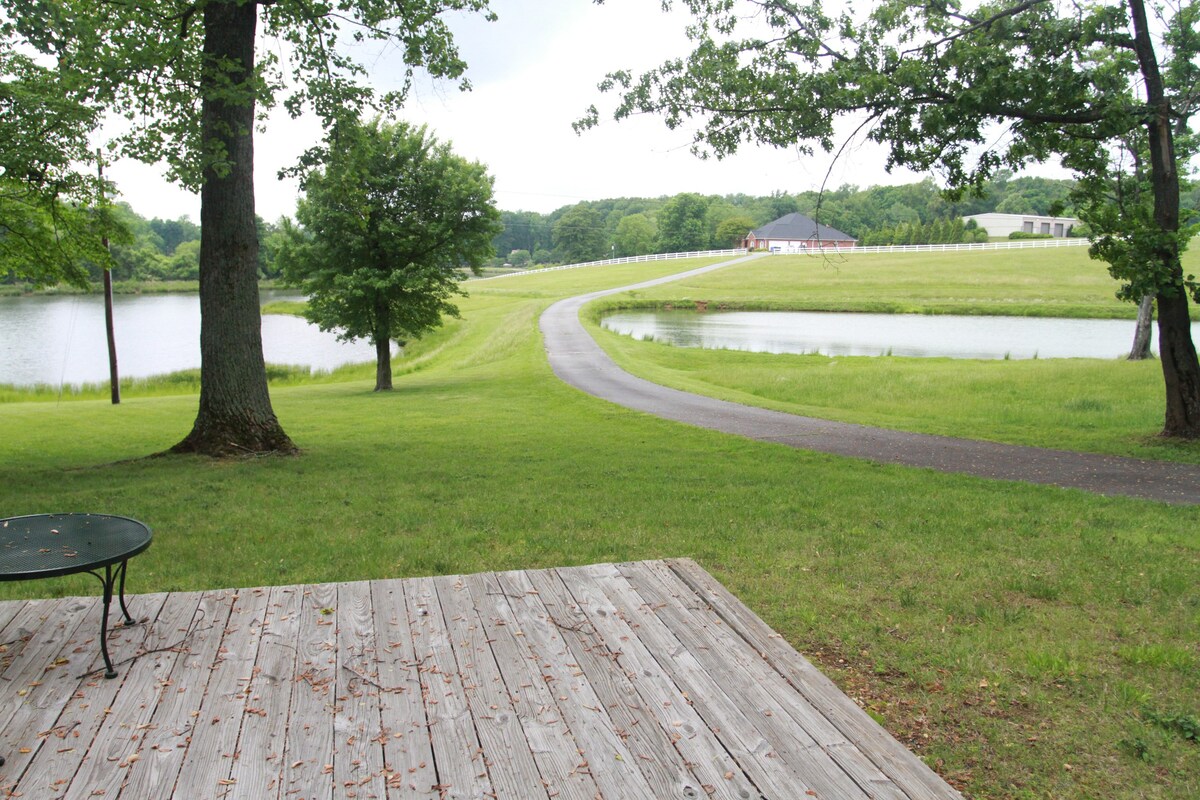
{"x": 533, "y": 699}
{"x": 177, "y": 699}
{"x": 658, "y": 696}
{"x": 642, "y": 680}
{"x": 408, "y": 751}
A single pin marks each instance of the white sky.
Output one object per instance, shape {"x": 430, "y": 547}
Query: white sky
{"x": 534, "y": 71}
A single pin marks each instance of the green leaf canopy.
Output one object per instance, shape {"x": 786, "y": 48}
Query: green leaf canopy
{"x": 389, "y": 224}
{"x": 963, "y": 89}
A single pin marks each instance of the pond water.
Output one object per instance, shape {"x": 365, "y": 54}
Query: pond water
{"x": 848, "y": 334}
{"x": 60, "y": 339}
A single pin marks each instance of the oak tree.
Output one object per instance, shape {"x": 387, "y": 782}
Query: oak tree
{"x": 191, "y": 77}
{"x": 964, "y": 89}
{"x": 50, "y": 226}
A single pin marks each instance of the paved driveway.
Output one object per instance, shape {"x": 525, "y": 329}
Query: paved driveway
{"x": 579, "y": 361}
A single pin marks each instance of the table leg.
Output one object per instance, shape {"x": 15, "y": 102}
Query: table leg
{"x": 128, "y": 618}
{"x": 109, "y": 581}
{"x": 109, "y": 578}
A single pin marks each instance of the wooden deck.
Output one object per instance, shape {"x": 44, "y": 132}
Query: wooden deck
{"x": 639, "y": 680}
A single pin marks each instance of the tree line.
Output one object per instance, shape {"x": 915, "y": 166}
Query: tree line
{"x": 917, "y": 213}
{"x": 155, "y": 249}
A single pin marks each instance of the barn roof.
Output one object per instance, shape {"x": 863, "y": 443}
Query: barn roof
{"x": 799, "y": 227}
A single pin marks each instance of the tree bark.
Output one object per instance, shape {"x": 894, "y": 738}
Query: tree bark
{"x": 1177, "y": 353}
{"x": 383, "y": 365}
{"x": 1181, "y": 370}
{"x": 1141, "y": 332}
{"x": 383, "y": 347}
{"x": 235, "y": 415}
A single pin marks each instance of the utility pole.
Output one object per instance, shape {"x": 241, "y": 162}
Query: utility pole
{"x": 113, "y": 380}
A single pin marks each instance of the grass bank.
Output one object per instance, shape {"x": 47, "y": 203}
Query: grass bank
{"x": 119, "y": 287}
{"x": 185, "y": 381}
{"x": 1029, "y": 642}
{"x": 1094, "y": 405}
{"x": 1061, "y": 282}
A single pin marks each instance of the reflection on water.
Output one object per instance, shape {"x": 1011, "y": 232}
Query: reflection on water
{"x": 60, "y": 339}
{"x": 880, "y": 334}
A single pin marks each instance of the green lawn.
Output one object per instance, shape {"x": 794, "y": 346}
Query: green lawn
{"x": 1058, "y": 282}
{"x": 1029, "y": 642}
{"x": 1096, "y": 405}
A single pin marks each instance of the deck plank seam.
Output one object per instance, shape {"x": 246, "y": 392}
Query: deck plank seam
{"x": 89, "y": 721}
{"x": 621, "y": 596}
{"x": 557, "y": 770}
{"x": 461, "y": 675}
{"x": 901, "y": 766}
{"x": 819, "y": 730}
{"x": 138, "y": 719}
{"x": 28, "y": 613}
{"x": 181, "y": 664}
{"x": 793, "y": 746}
{"x": 615, "y": 656}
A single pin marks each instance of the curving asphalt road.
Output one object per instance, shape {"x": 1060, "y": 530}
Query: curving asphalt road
{"x": 579, "y": 361}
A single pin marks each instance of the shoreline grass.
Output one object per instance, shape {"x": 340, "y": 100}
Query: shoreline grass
{"x": 119, "y": 287}
{"x": 1062, "y": 283}
{"x": 181, "y": 382}
{"x": 1002, "y": 630}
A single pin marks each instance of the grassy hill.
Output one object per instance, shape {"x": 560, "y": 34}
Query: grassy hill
{"x": 1029, "y": 642}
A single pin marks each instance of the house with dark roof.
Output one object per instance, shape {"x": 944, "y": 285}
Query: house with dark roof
{"x": 796, "y": 233}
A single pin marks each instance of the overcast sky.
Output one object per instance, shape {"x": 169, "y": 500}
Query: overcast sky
{"x": 534, "y": 71}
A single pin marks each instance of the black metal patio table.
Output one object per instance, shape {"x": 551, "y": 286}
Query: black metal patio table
{"x": 50, "y": 545}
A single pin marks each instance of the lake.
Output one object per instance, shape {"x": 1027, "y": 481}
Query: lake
{"x": 849, "y": 334}
{"x": 59, "y": 339}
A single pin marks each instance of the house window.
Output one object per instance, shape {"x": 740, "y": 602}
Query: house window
{"x": 1028, "y": 226}
{"x": 1058, "y": 229}
{"x": 1045, "y": 227}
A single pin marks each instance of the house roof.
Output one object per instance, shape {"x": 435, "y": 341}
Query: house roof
{"x": 801, "y": 228}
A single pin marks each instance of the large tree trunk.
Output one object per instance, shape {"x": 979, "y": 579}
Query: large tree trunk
{"x": 1177, "y": 352}
{"x": 1141, "y": 332}
{"x": 383, "y": 365}
{"x": 383, "y": 346}
{"x": 235, "y": 415}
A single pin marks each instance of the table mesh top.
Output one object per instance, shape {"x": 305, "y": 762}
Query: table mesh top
{"x": 45, "y": 545}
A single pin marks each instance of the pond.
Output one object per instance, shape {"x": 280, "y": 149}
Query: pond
{"x": 60, "y": 340}
{"x": 847, "y": 334}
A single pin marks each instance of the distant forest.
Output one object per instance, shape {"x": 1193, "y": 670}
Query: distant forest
{"x": 915, "y": 213}
{"x": 592, "y": 230}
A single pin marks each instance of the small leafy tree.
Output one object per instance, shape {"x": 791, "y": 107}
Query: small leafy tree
{"x": 732, "y": 231}
{"x": 683, "y": 224}
{"x": 390, "y": 221}
{"x": 635, "y": 235}
{"x": 580, "y": 235}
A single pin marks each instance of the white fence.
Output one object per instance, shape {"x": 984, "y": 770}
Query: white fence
{"x": 627, "y": 260}
{"x": 1015, "y": 244}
